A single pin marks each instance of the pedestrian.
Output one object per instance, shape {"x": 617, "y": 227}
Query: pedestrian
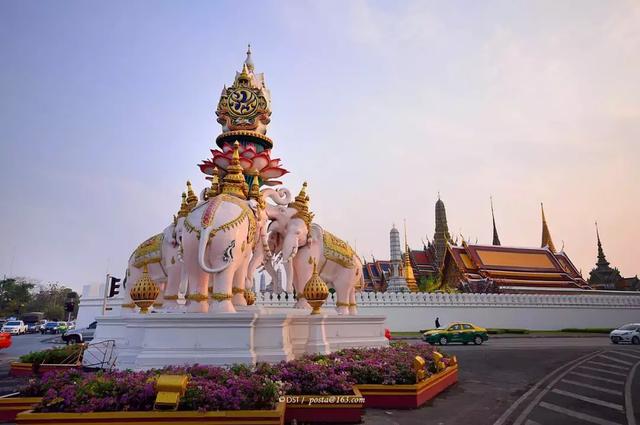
{"x": 437, "y": 322}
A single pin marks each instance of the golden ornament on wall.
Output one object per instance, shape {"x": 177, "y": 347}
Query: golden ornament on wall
{"x": 145, "y": 291}
{"x": 315, "y": 291}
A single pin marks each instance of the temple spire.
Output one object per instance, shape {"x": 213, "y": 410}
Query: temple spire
{"x": 546, "y": 235}
{"x": 602, "y": 260}
{"x": 441, "y": 235}
{"x": 496, "y": 239}
{"x": 248, "y": 62}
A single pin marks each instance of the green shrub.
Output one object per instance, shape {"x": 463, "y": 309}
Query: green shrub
{"x": 497, "y": 331}
{"x": 58, "y": 355}
{"x": 588, "y": 330}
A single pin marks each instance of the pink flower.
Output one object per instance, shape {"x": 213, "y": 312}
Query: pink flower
{"x": 268, "y": 169}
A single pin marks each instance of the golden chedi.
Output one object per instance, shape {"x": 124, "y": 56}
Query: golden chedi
{"x": 315, "y": 291}
{"x": 144, "y": 292}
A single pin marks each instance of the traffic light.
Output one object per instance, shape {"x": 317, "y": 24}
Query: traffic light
{"x": 69, "y": 305}
{"x": 114, "y": 286}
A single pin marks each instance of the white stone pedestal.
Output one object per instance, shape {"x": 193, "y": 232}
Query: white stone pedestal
{"x": 251, "y": 335}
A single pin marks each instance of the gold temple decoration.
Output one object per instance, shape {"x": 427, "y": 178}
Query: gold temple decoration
{"x": 214, "y": 190}
{"x": 337, "y": 250}
{"x": 408, "y": 270}
{"x": 418, "y": 367}
{"x": 220, "y": 296}
{"x": 250, "y": 297}
{"x": 192, "y": 199}
{"x": 437, "y": 358}
{"x": 197, "y": 297}
{"x": 184, "y": 209}
{"x": 546, "y": 234}
{"x": 254, "y": 192}
{"x": 233, "y": 182}
{"x": 315, "y": 291}
{"x": 301, "y": 204}
{"x": 235, "y": 290}
{"x": 144, "y": 292}
{"x": 170, "y": 389}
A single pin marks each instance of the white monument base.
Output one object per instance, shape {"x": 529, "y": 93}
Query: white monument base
{"x": 253, "y": 334}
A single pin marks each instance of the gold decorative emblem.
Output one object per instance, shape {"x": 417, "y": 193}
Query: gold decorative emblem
{"x": 220, "y": 296}
{"x": 337, "y": 250}
{"x": 242, "y": 102}
{"x": 250, "y": 297}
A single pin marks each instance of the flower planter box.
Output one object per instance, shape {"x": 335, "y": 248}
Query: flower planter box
{"x": 11, "y": 406}
{"x": 325, "y": 409}
{"x": 408, "y": 396}
{"x": 29, "y": 369}
{"x": 262, "y": 417}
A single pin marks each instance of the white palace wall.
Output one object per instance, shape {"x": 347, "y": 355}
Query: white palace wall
{"x": 415, "y": 311}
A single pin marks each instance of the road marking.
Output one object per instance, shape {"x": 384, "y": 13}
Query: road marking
{"x": 578, "y": 415}
{"x": 592, "y": 387}
{"x": 611, "y": 381}
{"x": 628, "y": 402}
{"x": 589, "y": 399}
{"x": 617, "y": 360}
{"x": 612, "y": 366}
{"x": 527, "y": 410}
{"x": 502, "y": 419}
{"x": 624, "y": 353}
{"x": 624, "y": 375}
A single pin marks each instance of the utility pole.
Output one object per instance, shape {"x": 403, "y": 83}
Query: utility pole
{"x": 106, "y": 294}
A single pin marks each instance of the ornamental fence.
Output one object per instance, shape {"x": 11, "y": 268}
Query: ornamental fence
{"x": 364, "y": 299}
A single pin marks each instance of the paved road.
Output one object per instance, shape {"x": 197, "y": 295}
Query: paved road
{"x": 536, "y": 381}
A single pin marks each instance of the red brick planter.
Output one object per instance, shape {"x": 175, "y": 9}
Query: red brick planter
{"x": 408, "y": 396}
{"x": 248, "y": 417}
{"x": 11, "y": 406}
{"x": 325, "y": 409}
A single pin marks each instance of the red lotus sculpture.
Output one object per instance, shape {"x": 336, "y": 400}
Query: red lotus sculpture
{"x": 268, "y": 169}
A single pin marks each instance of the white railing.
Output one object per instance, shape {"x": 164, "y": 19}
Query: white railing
{"x": 395, "y": 299}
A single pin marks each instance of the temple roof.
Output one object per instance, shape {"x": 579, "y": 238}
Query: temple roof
{"x": 512, "y": 266}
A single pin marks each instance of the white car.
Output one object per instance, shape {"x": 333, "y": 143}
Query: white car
{"x": 15, "y": 327}
{"x": 627, "y": 333}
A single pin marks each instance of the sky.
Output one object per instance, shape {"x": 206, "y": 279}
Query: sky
{"x": 107, "y": 107}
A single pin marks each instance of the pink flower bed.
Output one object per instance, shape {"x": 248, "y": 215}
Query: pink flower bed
{"x": 239, "y": 387}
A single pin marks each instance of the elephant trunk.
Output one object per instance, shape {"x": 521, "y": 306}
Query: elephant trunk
{"x": 202, "y": 248}
{"x": 281, "y": 196}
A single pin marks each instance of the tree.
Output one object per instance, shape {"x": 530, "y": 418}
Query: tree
{"x": 50, "y": 299}
{"x": 15, "y": 294}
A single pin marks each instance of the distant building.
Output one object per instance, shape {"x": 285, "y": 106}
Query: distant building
{"x": 496, "y": 268}
{"x": 603, "y": 276}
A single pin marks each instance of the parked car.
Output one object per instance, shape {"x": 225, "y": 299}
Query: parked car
{"x": 5, "y": 340}
{"x": 78, "y": 336}
{"x": 456, "y": 332}
{"x": 626, "y": 333}
{"x": 50, "y": 328}
{"x": 62, "y": 327}
{"x": 15, "y": 327}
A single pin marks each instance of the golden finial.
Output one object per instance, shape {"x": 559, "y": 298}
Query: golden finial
{"x": 546, "y": 234}
{"x": 192, "y": 199}
{"x": 233, "y": 182}
{"x": 184, "y": 209}
{"x": 301, "y": 204}
{"x": 254, "y": 192}
{"x": 145, "y": 291}
{"x": 214, "y": 190}
{"x": 315, "y": 290}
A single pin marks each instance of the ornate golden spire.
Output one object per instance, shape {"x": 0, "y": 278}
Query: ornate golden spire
{"x": 214, "y": 190}
{"x": 546, "y": 235}
{"x": 248, "y": 60}
{"x": 184, "y": 208}
{"x": 302, "y": 205}
{"x": 408, "y": 270}
{"x": 254, "y": 192}
{"x": 234, "y": 183}
{"x": 192, "y": 199}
